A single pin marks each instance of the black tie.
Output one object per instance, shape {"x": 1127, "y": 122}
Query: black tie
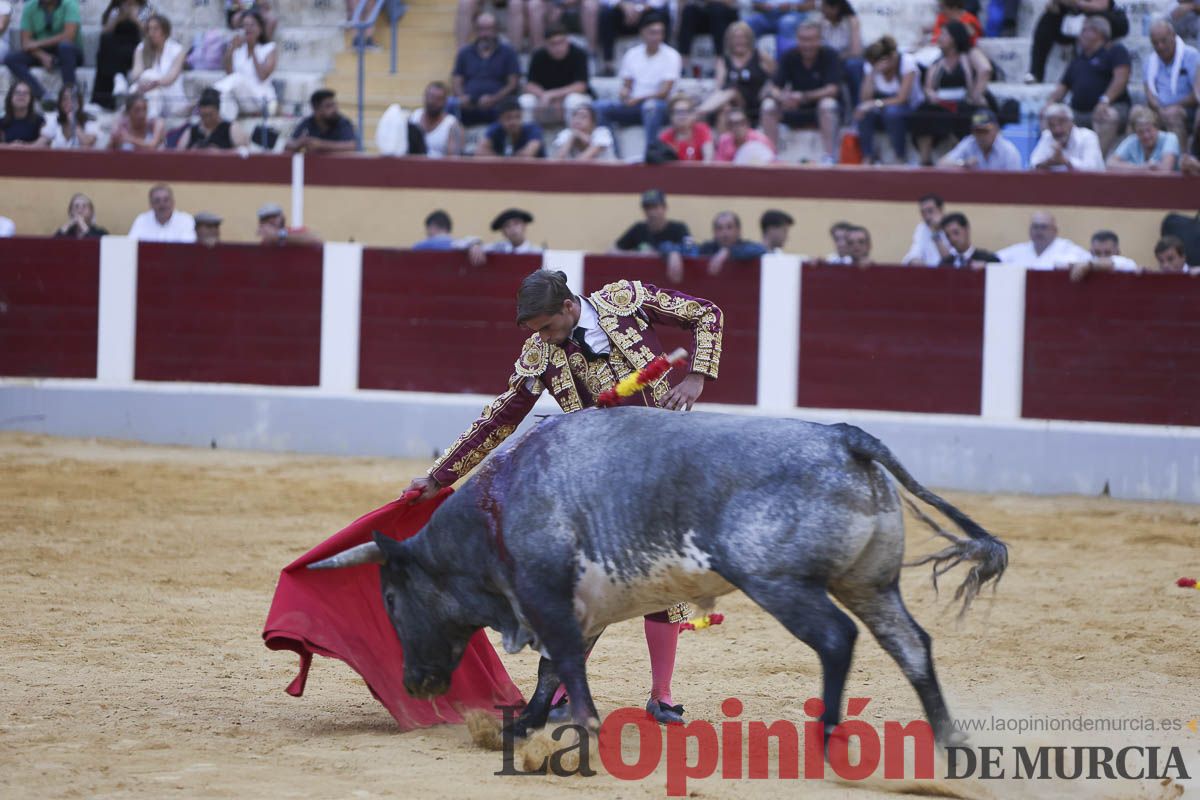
{"x": 581, "y": 340}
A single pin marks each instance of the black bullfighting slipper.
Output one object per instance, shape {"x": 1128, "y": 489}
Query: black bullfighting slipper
{"x": 665, "y": 714}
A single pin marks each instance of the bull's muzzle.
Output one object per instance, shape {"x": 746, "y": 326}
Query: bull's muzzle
{"x": 427, "y": 687}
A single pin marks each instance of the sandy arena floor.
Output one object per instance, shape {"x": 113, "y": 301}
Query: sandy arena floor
{"x": 136, "y": 581}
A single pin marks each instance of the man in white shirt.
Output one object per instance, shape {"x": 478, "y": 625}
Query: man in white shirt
{"x": 1064, "y": 146}
{"x": 511, "y": 223}
{"x": 1172, "y": 79}
{"x": 625, "y": 18}
{"x": 929, "y": 245}
{"x": 649, "y": 72}
{"x": 1044, "y": 250}
{"x": 1106, "y": 257}
{"x": 162, "y": 223}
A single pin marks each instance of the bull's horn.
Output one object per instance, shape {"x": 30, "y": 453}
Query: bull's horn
{"x": 368, "y": 553}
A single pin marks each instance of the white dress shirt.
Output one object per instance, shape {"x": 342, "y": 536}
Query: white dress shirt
{"x": 505, "y": 246}
{"x": 593, "y": 334}
{"x": 1082, "y": 150}
{"x": 1060, "y": 252}
{"x": 924, "y": 249}
{"x": 180, "y": 228}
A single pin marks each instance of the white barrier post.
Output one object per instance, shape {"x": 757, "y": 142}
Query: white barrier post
{"x": 116, "y": 328}
{"x": 1003, "y": 342}
{"x": 341, "y": 311}
{"x": 298, "y": 189}
{"x": 778, "y": 331}
{"x": 570, "y": 262}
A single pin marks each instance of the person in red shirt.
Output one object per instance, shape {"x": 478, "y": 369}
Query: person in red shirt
{"x": 954, "y": 11}
{"x": 691, "y": 140}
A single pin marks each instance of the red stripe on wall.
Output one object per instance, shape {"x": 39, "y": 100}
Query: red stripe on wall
{"x": 431, "y": 322}
{"x": 231, "y": 314}
{"x": 735, "y": 291}
{"x": 1099, "y": 190}
{"x": 49, "y": 307}
{"x": 891, "y": 338}
{"x": 1114, "y": 348}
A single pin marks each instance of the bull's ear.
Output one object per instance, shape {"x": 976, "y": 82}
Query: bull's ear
{"x": 393, "y": 551}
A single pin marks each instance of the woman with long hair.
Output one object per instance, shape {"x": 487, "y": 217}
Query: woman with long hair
{"x": 955, "y": 86}
{"x": 583, "y": 139}
{"x": 71, "y": 127}
{"x": 137, "y": 131}
{"x": 891, "y": 89}
{"x": 121, "y": 27}
{"x": 157, "y": 66}
{"x": 249, "y": 63}
{"x": 22, "y": 125}
{"x": 741, "y": 77}
{"x": 81, "y": 220}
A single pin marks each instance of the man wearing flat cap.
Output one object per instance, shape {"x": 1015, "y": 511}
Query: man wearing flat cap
{"x": 511, "y": 223}
{"x": 208, "y": 229}
{"x": 273, "y": 229}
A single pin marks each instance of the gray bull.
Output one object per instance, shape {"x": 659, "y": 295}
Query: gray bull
{"x": 606, "y": 514}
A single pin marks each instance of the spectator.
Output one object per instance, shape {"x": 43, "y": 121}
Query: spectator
{"x": 985, "y": 149}
{"x": 840, "y": 30}
{"x": 438, "y": 238}
{"x": 960, "y": 252}
{"x": 582, "y": 15}
{"x": 1170, "y": 254}
{"x": 956, "y": 11}
{"x": 273, "y": 229}
{"x": 742, "y": 74}
{"x": 511, "y": 223}
{"x": 780, "y": 17}
{"x": 648, "y": 75}
{"x": 625, "y": 18}
{"x": 741, "y": 144}
{"x": 212, "y": 132}
{"x": 1172, "y": 79}
{"x": 775, "y": 226}
{"x": 583, "y": 139}
{"x": 727, "y": 243}
{"x": 250, "y": 62}
{"x": 1062, "y": 22}
{"x": 558, "y": 80}
{"x": 858, "y": 246}
{"x": 442, "y": 131}
{"x": 691, "y": 140}
{"x": 121, "y": 27}
{"x": 1064, "y": 146}
{"x": 325, "y": 130}
{"x": 1045, "y": 249}
{"x": 163, "y": 223}
{"x": 71, "y": 127}
{"x": 136, "y": 131}
{"x": 955, "y": 88}
{"x": 208, "y": 229}
{"x": 81, "y": 220}
{"x": 1185, "y": 18}
{"x": 704, "y": 16}
{"x": 510, "y": 137}
{"x": 485, "y": 72}
{"x": 805, "y": 90}
{"x": 22, "y": 125}
{"x": 841, "y": 253}
{"x": 1105, "y": 257}
{"x": 929, "y": 243}
{"x": 522, "y": 15}
{"x": 1097, "y": 78}
{"x": 656, "y": 231}
{"x": 891, "y": 90}
{"x": 5, "y": 21}
{"x": 157, "y": 65}
{"x": 50, "y": 34}
{"x": 1147, "y": 149}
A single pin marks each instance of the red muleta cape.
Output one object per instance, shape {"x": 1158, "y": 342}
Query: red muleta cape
{"x": 339, "y": 613}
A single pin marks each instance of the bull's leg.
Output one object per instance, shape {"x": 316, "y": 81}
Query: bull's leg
{"x": 884, "y": 613}
{"x": 538, "y": 709}
{"x": 804, "y": 608}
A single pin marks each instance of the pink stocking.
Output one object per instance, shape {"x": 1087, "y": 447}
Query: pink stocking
{"x": 662, "y": 638}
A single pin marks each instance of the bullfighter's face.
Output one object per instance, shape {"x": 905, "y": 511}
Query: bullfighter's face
{"x": 555, "y": 328}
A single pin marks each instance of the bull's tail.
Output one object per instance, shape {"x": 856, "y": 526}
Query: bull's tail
{"x": 989, "y": 554}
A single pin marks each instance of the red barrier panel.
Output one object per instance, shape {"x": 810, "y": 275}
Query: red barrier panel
{"x": 1114, "y": 348}
{"x": 891, "y": 338}
{"x": 230, "y": 314}
{"x": 433, "y": 323}
{"x": 735, "y": 290}
{"x": 49, "y": 307}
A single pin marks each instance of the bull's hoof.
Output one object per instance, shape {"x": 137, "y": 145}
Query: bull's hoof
{"x": 664, "y": 714}
{"x": 561, "y": 712}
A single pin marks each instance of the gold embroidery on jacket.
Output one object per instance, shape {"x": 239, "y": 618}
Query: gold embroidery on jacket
{"x": 470, "y": 460}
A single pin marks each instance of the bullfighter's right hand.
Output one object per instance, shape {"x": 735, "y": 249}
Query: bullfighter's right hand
{"x": 426, "y": 486}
